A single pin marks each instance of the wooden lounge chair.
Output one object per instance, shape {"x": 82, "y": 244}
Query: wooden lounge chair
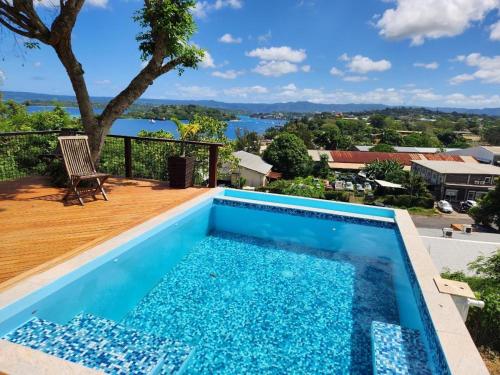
{"x": 76, "y": 154}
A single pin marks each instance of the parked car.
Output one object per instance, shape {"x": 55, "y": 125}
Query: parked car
{"x": 368, "y": 187}
{"x": 339, "y": 185}
{"x": 467, "y": 205}
{"x": 349, "y": 186}
{"x": 445, "y": 206}
{"x": 360, "y": 188}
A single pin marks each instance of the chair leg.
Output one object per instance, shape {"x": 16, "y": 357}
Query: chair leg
{"x": 101, "y": 187}
{"x": 77, "y": 193}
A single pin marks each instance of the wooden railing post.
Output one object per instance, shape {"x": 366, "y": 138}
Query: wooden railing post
{"x": 212, "y": 169}
{"x": 128, "y": 157}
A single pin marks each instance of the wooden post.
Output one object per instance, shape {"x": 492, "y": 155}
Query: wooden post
{"x": 128, "y": 157}
{"x": 212, "y": 169}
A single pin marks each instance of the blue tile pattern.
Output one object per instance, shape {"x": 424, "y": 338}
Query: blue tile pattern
{"x": 306, "y": 213}
{"x": 397, "y": 351}
{"x": 102, "y": 345}
{"x": 250, "y": 306}
{"x": 436, "y": 350}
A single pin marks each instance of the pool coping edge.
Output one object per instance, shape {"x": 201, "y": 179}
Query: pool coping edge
{"x": 462, "y": 355}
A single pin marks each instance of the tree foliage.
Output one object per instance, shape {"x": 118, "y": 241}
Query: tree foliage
{"x": 166, "y": 28}
{"x": 389, "y": 170}
{"x": 382, "y": 147}
{"x": 487, "y": 211}
{"x": 247, "y": 140}
{"x": 288, "y": 155}
{"x": 483, "y": 324}
{"x": 321, "y": 168}
{"x": 303, "y": 187}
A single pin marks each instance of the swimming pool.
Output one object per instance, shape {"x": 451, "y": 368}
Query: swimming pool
{"x": 241, "y": 283}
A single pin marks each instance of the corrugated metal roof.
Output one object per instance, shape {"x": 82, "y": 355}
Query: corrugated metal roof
{"x": 252, "y": 162}
{"x": 452, "y": 167}
{"x": 358, "y": 157}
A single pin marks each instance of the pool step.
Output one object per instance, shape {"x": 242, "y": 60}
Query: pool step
{"x": 103, "y": 345}
{"x": 397, "y": 350}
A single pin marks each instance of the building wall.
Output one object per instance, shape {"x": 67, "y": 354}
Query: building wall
{"x": 252, "y": 178}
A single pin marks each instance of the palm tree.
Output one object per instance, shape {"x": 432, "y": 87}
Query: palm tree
{"x": 186, "y": 132}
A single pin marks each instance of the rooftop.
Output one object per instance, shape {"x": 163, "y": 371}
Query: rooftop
{"x": 424, "y": 150}
{"x": 361, "y": 157}
{"x": 452, "y": 167}
{"x": 53, "y": 232}
{"x": 253, "y": 162}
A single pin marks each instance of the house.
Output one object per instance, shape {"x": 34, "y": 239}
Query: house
{"x": 357, "y": 160}
{"x": 316, "y": 156}
{"x": 255, "y": 171}
{"x": 405, "y": 149}
{"x": 455, "y": 181}
{"x": 484, "y": 154}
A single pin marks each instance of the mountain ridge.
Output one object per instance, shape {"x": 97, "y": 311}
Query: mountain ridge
{"x": 298, "y": 106}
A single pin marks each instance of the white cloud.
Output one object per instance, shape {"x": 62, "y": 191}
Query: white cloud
{"x": 202, "y": 8}
{"x": 461, "y": 78}
{"x": 355, "y": 78}
{"x": 228, "y": 38}
{"x": 103, "y": 82}
{"x": 37, "y": 64}
{"x": 245, "y": 91}
{"x": 290, "y": 86}
{"x": 305, "y": 68}
{"x": 431, "y": 19}
{"x": 228, "y": 74}
{"x": 275, "y": 68}
{"x": 3, "y": 77}
{"x": 495, "y": 31}
{"x": 195, "y": 92}
{"x": 235, "y": 4}
{"x": 487, "y": 69}
{"x": 264, "y": 38}
{"x": 336, "y": 72}
{"x": 208, "y": 61}
{"x": 432, "y": 65}
{"x": 363, "y": 65}
{"x": 284, "y": 53}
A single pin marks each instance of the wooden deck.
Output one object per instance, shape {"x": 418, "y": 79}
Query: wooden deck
{"x": 37, "y": 230}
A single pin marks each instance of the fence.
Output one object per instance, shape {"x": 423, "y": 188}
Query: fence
{"x": 31, "y": 153}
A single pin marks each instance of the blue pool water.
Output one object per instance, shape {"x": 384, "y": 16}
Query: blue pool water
{"x": 249, "y": 290}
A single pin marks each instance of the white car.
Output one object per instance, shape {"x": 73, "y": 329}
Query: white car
{"x": 349, "y": 186}
{"x": 368, "y": 187}
{"x": 359, "y": 188}
{"x": 445, "y": 206}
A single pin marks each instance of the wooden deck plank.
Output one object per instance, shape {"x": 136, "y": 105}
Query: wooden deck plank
{"x": 37, "y": 230}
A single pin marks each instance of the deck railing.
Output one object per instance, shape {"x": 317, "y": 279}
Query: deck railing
{"x": 32, "y": 153}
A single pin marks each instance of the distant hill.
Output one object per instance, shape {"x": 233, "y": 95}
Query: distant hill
{"x": 299, "y": 107}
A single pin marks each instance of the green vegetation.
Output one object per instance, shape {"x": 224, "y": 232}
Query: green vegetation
{"x": 183, "y": 112}
{"x": 288, "y": 155}
{"x": 303, "y": 187}
{"x": 483, "y": 325}
{"x": 487, "y": 212}
{"x": 389, "y": 170}
{"x": 419, "y": 211}
{"x": 247, "y": 141}
{"x": 383, "y": 147}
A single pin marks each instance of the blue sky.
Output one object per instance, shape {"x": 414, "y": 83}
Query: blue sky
{"x": 399, "y": 52}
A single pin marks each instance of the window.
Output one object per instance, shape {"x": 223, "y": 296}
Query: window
{"x": 487, "y": 180}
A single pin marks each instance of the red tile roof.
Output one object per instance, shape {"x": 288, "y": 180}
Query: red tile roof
{"x": 360, "y": 157}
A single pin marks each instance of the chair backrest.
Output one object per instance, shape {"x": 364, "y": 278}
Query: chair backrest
{"x": 76, "y": 154}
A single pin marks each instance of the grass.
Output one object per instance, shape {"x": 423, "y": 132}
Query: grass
{"x": 423, "y": 211}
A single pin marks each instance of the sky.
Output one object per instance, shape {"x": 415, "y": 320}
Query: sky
{"x": 396, "y": 52}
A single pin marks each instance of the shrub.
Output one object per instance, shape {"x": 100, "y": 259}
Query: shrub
{"x": 341, "y": 196}
{"x": 484, "y": 324}
{"x": 407, "y": 201}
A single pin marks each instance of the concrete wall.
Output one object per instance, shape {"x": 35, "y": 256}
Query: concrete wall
{"x": 252, "y": 178}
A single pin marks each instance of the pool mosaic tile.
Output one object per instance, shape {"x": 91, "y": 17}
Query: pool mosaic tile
{"x": 249, "y": 306}
{"x": 103, "y": 345}
{"x": 300, "y": 212}
{"x": 398, "y": 351}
